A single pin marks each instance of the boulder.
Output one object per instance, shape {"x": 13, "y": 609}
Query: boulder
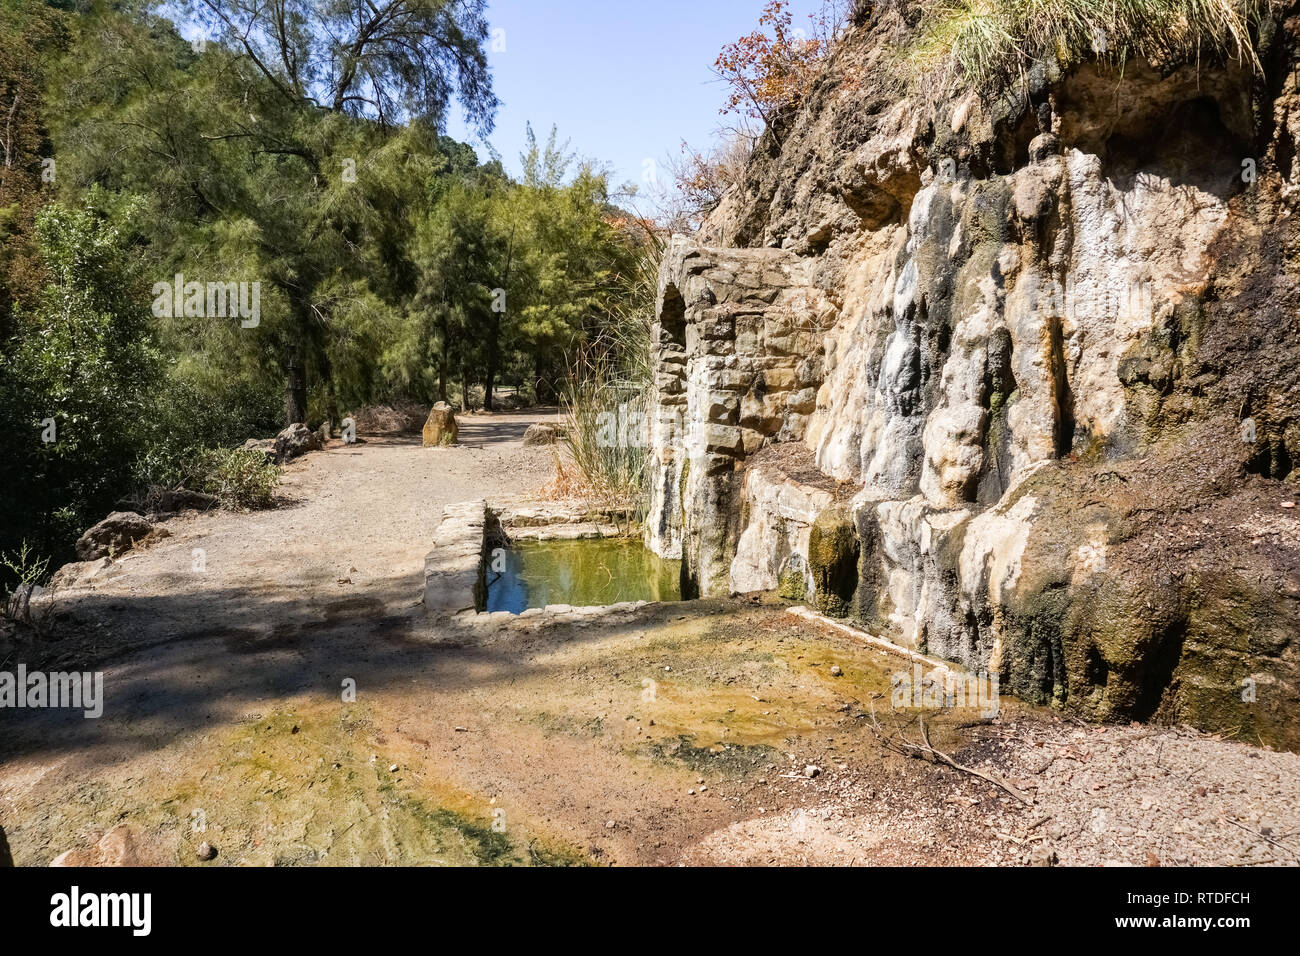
{"x": 113, "y": 536}
{"x": 441, "y": 427}
{"x": 295, "y": 440}
{"x": 539, "y": 434}
{"x": 264, "y": 445}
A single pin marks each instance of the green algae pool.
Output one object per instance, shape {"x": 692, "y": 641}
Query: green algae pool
{"x": 584, "y": 573}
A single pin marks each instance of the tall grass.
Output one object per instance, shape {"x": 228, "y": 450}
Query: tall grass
{"x": 606, "y": 394}
{"x": 991, "y": 44}
{"x": 605, "y": 438}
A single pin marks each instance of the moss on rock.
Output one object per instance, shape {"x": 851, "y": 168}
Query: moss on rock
{"x": 833, "y": 561}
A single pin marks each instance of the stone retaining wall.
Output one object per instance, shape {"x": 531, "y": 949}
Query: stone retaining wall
{"x": 737, "y": 363}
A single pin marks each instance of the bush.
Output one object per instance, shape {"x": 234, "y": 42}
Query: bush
{"x": 76, "y": 382}
{"x": 240, "y": 477}
{"x": 189, "y": 417}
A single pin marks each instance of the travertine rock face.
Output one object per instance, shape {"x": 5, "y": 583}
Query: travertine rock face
{"x": 772, "y": 552}
{"x": 1050, "y": 349}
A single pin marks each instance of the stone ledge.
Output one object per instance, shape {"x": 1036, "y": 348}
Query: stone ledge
{"x": 880, "y": 643}
{"x": 453, "y": 569}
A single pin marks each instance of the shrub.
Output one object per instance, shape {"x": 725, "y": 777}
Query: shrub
{"x": 765, "y": 73}
{"x": 75, "y": 381}
{"x": 28, "y": 570}
{"x": 240, "y": 477}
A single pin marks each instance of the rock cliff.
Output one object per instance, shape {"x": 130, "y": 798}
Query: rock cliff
{"x": 1040, "y": 355}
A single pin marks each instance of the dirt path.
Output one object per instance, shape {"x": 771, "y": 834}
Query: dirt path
{"x": 683, "y": 736}
{"x": 351, "y": 538}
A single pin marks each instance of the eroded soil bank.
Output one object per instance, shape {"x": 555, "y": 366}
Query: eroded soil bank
{"x": 682, "y": 736}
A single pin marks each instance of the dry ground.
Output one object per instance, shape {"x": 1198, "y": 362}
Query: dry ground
{"x": 682, "y": 737}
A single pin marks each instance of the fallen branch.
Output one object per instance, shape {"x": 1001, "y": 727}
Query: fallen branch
{"x": 926, "y": 750}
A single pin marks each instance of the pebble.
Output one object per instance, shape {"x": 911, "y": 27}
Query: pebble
{"x": 206, "y": 851}
{"x": 836, "y": 671}
{"x": 811, "y": 771}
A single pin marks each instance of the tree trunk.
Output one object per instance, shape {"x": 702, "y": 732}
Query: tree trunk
{"x": 494, "y": 328}
{"x": 331, "y": 395}
{"x": 295, "y": 392}
{"x": 443, "y": 356}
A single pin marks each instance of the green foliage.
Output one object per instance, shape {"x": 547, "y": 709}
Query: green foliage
{"x": 990, "y": 44}
{"x": 26, "y": 569}
{"x": 78, "y": 378}
{"x": 393, "y": 266}
{"x": 25, "y": 565}
{"x": 240, "y": 477}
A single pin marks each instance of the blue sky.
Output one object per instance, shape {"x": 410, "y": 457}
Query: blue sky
{"x": 624, "y": 80}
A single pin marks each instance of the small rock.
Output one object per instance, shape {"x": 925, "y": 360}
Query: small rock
{"x": 1042, "y": 856}
{"x": 811, "y": 771}
{"x": 206, "y": 851}
{"x": 836, "y": 671}
{"x": 539, "y": 434}
{"x": 264, "y": 445}
{"x": 393, "y": 769}
{"x": 610, "y": 824}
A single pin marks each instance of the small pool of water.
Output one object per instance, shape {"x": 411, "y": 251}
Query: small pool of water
{"x": 582, "y": 573}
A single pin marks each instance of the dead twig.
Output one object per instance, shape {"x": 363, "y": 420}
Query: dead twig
{"x": 926, "y": 750}
{"x": 1256, "y": 833}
